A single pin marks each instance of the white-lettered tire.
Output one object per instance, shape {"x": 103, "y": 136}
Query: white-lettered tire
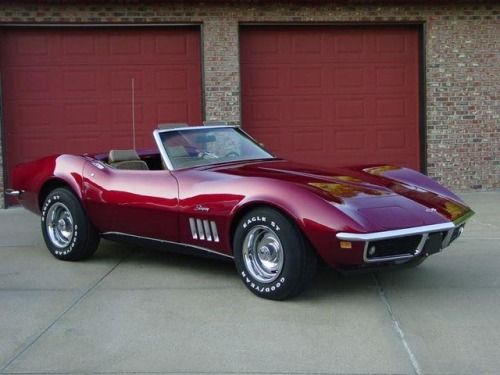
{"x": 67, "y": 231}
{"x": 272, "y": 257}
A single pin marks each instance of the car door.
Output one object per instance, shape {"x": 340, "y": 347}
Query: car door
{"x": 133, "y": 202}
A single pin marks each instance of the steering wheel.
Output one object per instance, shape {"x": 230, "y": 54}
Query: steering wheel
{"x": 231, "y": 153}
{"x": 207, "y": 155}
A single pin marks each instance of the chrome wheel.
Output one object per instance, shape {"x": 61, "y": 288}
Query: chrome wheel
{"x": 59, "y": 225}
{"x": 263, "y": 254}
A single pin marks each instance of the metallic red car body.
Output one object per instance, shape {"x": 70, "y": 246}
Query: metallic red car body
{"x": 329, "y": 206}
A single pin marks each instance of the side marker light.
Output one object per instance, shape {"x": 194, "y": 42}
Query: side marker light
{"x": 345, "y": 245}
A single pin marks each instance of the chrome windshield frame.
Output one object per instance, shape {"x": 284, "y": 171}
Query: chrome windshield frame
{"x": 385, "y": 235}
{"x": 163, "y": 152}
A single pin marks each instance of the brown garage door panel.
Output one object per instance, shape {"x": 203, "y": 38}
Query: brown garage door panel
{"x": 333, "y": 95}
{"x": 70, "y": 90}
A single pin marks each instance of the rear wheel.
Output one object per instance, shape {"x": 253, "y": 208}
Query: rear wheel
{"x": 272, "y": 257}
{"x": 67, "y": 231}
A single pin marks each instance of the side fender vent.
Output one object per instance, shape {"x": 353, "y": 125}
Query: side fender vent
{"x": 203, "y": 230}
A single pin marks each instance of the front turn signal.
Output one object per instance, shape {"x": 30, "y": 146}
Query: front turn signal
{"x": 345, "y": 245}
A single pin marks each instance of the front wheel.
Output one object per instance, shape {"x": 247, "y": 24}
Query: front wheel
{"x": 272, "y": 257}
{"x": 67, "y": 231}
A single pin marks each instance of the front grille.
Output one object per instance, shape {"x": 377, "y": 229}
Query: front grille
{"x": 456, "y": 232}
{"x": 393, "y": 247}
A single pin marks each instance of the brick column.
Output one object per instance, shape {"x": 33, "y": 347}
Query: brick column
{"x": 221, "y": 68}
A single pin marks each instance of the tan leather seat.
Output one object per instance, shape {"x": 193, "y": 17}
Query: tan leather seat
{"x": 126, "y": 159}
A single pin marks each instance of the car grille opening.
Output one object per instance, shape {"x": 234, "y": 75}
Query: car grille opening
{"x": 456, "y": 233}
{"x": 393, "y": 247}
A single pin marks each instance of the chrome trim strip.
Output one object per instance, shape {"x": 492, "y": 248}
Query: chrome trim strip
{"x": 425, "y": 230}
{"x": 201, "y": 233}
{"x": 214, "y": 231}
{"x": 207, "y": 230}
{"x": 97, "y": 164}
{"x": 421, "y": 245}
{"x": 14, "y": 193}
{"x": 194, "y": 128}
{"x": 447, "y": 238}
{"x": 385, "y": 259}
{"x": 169, "y": 242}
{"x": 374, "y": 236}
{"x": 192, "y": 225}
{"x": 161, "y": 149}
{"x": 418, "y": 250}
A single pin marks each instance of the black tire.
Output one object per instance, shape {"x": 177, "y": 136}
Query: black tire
{"x": 267, "y": 230}
{"x": 67, "y": 231}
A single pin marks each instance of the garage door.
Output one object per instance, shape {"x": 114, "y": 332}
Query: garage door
{"x": 68, "y": 90}
{"x": 333, "y": 95}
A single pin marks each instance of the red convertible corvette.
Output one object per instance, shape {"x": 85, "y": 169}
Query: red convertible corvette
{"x": 213, "y": 189}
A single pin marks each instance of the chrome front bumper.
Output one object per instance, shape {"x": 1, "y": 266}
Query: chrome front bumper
{"x": 449, "y": 232}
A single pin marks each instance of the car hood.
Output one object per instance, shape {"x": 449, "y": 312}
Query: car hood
{"x": 338, "y": 182}
{"x": 380, "y": 193}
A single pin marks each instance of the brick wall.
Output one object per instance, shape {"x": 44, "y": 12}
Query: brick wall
{"x": 461, "y": 55}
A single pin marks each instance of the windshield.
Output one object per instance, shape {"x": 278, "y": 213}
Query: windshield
{"x": 211, "y": 145}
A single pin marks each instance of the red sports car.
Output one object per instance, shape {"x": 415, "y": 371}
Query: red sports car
{"x": 214, "y": 190}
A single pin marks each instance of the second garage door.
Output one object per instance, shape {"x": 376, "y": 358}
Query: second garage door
{"x": 333, "y": 95}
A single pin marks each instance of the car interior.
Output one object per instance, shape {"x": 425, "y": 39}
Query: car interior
{"x": 126, "y": 159}
{"x": 130, "y": 160}
{"x": 183, "y": 150}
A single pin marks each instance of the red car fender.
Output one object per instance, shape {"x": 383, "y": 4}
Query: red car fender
{"x": 318, "y": 219}
{"x": 35, "y": 179}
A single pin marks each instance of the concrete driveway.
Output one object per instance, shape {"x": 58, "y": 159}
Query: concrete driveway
{"x": 134, "y": 310}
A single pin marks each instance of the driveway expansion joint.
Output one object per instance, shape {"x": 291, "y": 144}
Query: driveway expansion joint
{"x": 397, "y": 327}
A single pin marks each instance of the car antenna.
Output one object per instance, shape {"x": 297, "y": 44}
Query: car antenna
{"x": 133, "y": 113}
